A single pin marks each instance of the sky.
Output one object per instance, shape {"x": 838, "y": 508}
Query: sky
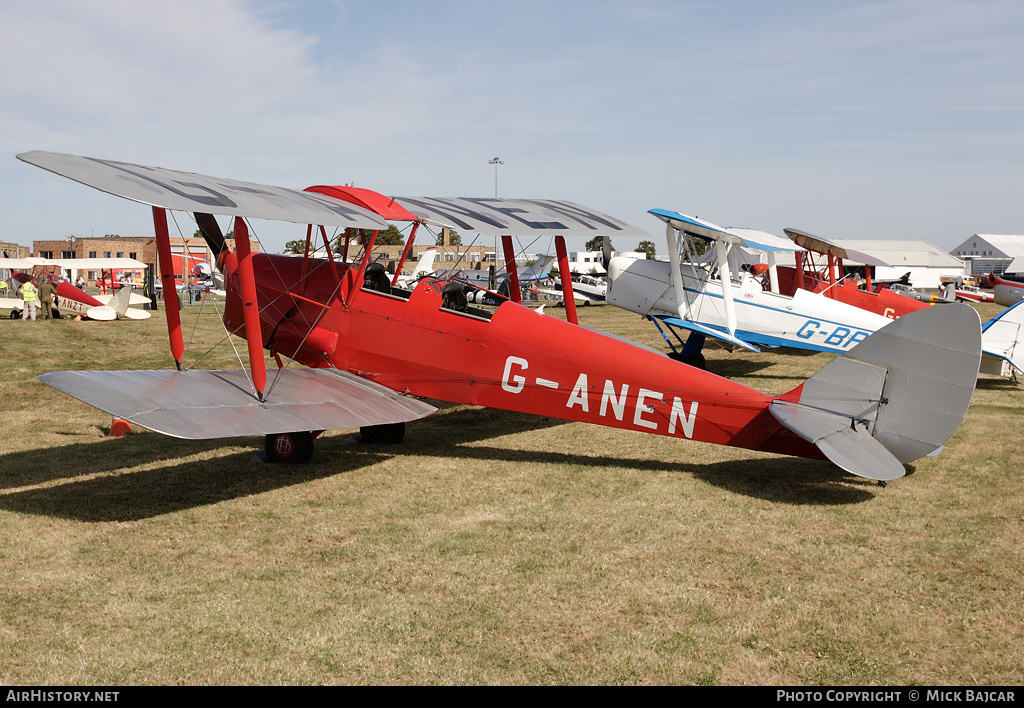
{"x": 901, "y": 119}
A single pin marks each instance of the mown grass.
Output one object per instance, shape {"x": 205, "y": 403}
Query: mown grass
{"x": 491, "y": 547}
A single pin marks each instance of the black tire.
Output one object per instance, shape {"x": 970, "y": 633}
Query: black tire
{"x": 389, "y": 434}
{"x": 15, "y": 314}
{"x": 695, "y": 360}
{"x": 289, "y": 448}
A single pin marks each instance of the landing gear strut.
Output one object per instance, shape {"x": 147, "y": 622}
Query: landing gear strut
{"x": 691, "y": 352}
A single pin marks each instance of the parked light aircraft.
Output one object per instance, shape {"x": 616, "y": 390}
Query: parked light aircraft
{"x": 720, "y": 300}
{"x": 587, "y": 287}
{"x": 744, "y": 311}
{"x": 1002, "y": 348}
{"x": 1009, "y": 287}
{"x": 68, "y": 299}
{"x": 826, "y": 277}
{"x": 897, "y": 396}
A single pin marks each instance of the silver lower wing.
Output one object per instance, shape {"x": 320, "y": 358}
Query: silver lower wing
{"x": 202, "y": 404}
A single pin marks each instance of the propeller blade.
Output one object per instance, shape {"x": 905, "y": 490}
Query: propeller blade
{"x": 606, "y": 250}
{"x": 212, "y": 234}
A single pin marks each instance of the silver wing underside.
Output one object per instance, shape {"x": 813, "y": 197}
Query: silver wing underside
{"x": 519, "y": 217}
{"x": 187, "y": 191}
{"x": 203, "y": 404}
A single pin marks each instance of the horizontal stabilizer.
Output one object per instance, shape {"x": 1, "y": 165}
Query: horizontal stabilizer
{"x": 840, "y": 439}
{"x": 102, "y": 313}
{"x": 895, "y": 397}
{"x": 202, "y": 404}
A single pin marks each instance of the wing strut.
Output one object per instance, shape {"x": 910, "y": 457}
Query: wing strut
{"x": 250, "y": 308}
{"x": 677, "y": 276}
{"x": 722, "y": 249}
{"x": 405, "y": 253}
{"x": 563, "y": 270}
{"x": 510, "y": 267}
{"x": 171, "y": 304}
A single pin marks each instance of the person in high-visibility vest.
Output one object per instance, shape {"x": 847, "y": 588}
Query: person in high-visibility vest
{"x": 28, "y": 297}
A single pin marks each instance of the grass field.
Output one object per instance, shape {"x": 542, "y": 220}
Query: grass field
{"x": 492, "y": 547}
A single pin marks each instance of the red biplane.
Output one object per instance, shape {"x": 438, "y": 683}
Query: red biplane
{"x": 373, "y": 349}
{"x": 827, "y": 277}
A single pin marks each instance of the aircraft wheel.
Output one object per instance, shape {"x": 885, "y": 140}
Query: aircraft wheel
{"x": 389, "y": 434}
{"x": 289, "y": 448}
{"x": 55, "y": 313}
{"x": 695, "y": 360}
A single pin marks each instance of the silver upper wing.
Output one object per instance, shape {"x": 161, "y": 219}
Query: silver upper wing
{"x": 187, "y": 191}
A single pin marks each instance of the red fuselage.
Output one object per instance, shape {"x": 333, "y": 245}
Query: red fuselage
{"x": 510, "y": 358}
{"x": 880, "y": 300}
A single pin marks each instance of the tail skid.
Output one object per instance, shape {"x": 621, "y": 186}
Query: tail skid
{"x": 895, "y": 397}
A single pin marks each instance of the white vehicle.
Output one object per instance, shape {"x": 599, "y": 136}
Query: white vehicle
{"x": 587, "y": 288}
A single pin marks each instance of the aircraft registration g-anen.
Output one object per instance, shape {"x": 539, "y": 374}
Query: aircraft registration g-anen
{"x": 893, "y": 398}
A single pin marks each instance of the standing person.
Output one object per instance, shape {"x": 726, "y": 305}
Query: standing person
{"x": 45, "y": 292}
{"x": 28, "y": 297}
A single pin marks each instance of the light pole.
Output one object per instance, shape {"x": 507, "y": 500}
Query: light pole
{"x": 495, "y": 162}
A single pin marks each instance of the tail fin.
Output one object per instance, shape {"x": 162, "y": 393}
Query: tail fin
{"x": 121, "y": 301}
{"x": 426, "y": 263}
{"x": 537, "y": 270}
{"x": 895, "y": 397}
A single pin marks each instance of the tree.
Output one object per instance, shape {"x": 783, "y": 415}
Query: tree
{"x": 390, "y": 236}
{"x": 297, "y": 247}
{"x": 597, "y": 243}
{"x": 454, "y": 239}
{"x": 700, "y": 247}
{"x": 647, "y": 247}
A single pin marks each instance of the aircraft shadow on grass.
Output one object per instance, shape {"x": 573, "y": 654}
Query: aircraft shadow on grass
{"x": 187, "y": 484}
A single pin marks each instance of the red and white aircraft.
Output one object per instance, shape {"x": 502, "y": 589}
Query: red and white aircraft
{"x": 68, "y": 299}
{"x": 894, "y": 398}
{"x": 816, "y": 270}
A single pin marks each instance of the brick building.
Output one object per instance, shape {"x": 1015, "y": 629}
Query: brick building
{"x": 141, "y": 248}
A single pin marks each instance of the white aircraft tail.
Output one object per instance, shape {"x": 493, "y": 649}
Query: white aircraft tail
{"x": 121, "y": 301}
{"x": 537, "y": 270}
{"x": 425, "y": 264}
{"x": 895, "y": 397}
